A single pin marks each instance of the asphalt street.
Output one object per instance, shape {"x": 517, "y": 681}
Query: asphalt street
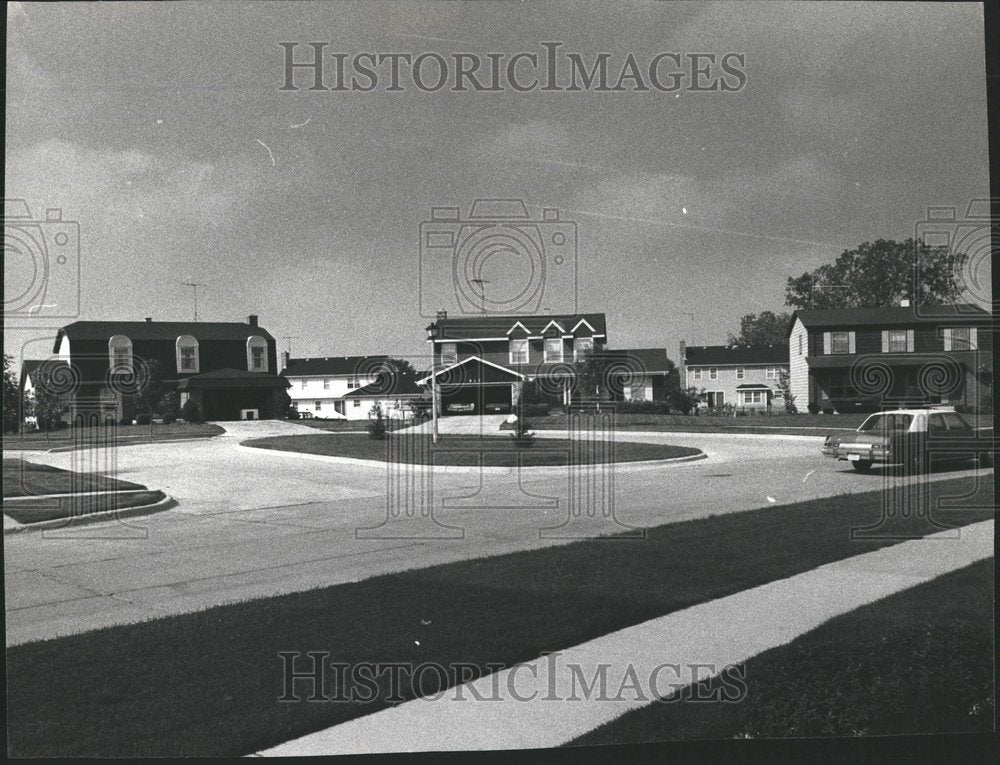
{"x": 253, "y": 523}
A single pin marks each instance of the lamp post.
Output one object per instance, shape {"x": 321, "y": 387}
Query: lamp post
{"x": 433, "y": 332}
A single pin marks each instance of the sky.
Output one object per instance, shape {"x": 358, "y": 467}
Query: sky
{"x": 163, "y": 131}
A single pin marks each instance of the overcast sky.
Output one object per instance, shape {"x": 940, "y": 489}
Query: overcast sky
{"x": 162, "y": 130}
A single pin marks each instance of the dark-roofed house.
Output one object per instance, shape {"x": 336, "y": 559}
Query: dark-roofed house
{"x": 345, "y": 387}
{"x": 483, "y": 363}
{"x": 868, "y": 358}
{"x": 229, "y": 368}
{"x": 745, "y": 376}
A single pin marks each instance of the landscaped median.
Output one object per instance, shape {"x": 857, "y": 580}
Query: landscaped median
{"x": 110, "y": 435}
{"x": 40, "y": 495}
{"x": 209, "y": 683}
{"x": 492, "y": 451}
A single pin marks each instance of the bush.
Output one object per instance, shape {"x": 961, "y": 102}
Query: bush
{"x": 813, "y": 407}
{"x": 191, "y": 411}
{"x": 143, "y": 419}
{"x": 642, "y": 407}
{"x": 538, "y": 409}
{"x": 169, "y": 418}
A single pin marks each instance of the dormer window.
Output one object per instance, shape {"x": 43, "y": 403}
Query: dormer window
{"x": 449, "y": 353}
{"x": 581, "y": 347}
{"x": 553, "y": 350}
{"x": 519, "y": 351}
{"x": 187, "y": 355}
{"x": 120, "y": 353}
{"x": 256, "y": 353}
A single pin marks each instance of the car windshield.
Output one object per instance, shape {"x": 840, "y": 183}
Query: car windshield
{"x": 887, "y": 422}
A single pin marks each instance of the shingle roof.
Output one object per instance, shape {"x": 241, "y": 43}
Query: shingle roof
{"x": 856, "y": 317}
{"x": 162, "y": 330}
{"x": 389, "y": 387}
{"x": 461, "y": 327}
{"x": 228, "y": 377}
{"x": 31, "y": 367}
{"x": 696, "y": 355}
{"x": 646, "y": 359}
{"x": 335, "y": 365}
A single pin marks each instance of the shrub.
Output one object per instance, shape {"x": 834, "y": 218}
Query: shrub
{"x": 813, "y": 407}
{"x": 169, "y": 418}
{"x": 643, "y": 407}
{"x": 143, "y": 419}
{"x": 376, "y": 423}
{"x": 538, "y": 409}
{"x": 191, "y": 411}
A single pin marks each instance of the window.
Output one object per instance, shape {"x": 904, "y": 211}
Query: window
{"x": 186, "y": 348}
{"x": 357, "y": 402}
{"x": 582, "y": 346}
{"x": 955, "y": 421}
{"x": 553, "y": 350}
{"x": 326, "y": 384}
{"x": 303, "y": 383}
{"x": 840, "y": 386}
{"x": 120, "y": 353}
{"x": 754, "y": 396}
{"x": 713, "y": 373}
{"x": 887, "y": 422}
{"x": 960, "y": 339}
{"x": 353, "y": 383}
{"x": 696, "y": 373}
{"x": 897, "y": 341}
{"x": 840, "y": 342}
{"x": 741, "y": 373}
{"x": 319, "y": 406}
{"x": 256, "y": 354}
{"x": 518, "y": 351}
{"x": 935, "y": 423}
{"x": 449, "y": 353}
{"x": 771, "y": 373}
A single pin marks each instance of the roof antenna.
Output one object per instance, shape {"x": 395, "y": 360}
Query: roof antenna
{"x": 194, "y": 286}
{"x": 482, "y": 291}
{"x": 289, "y": 338}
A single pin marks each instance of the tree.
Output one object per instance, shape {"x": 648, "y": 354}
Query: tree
{"x": 146, "y": 384}
{"x": 685, "y": 399}
{"x": 785, "y": 386}
{"x": 376, "y": 423}
{"x": 765, "y": 328}
{"x": 880, "y": 273}
{"x": 47, "y": 408}
{"x": 11, "y": 397}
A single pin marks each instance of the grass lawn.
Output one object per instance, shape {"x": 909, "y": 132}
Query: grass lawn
{"x": 920, "y": 661}
{"x": 417, "y": 448}
{"x": 73, "y": 507}
{"x": 124, "y": 435}
{"x": 208, "y": 683}
{"x": 22, "y": 478}
{"x": 787, "y": 424}
{"x": 347, "y": 426}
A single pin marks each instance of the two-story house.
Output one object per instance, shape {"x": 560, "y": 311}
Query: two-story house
{"x": 229, "y": 368}
{"x": 866, "y": 358}
{"x": 482, "y": 363}
{"x": 745, "y": 376}
{"x": 346, "y": 387}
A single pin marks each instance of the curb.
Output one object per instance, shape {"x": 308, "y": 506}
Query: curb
{"x": 82, "y": 520}
{"x": 465, "y": 469}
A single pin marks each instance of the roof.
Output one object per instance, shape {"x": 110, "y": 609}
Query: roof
{"x": 388, "y": 387}
{"x": 228, "y": 377}
{"x": 335, "y": 365}
{"x": 495, "y": 326}
{"x": 644, "y": 359}
{"x": 753, "y": 386}
{"x": 884, "y": 316}
{"x": 483, "y": 363}
{"x": 161, "y": 330}
{"x": 722, "y": 355}
{"x": 32, "y": 368}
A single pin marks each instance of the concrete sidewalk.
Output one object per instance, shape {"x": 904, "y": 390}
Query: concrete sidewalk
{"x": 532, "y": 705}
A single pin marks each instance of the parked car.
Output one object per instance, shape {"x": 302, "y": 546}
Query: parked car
{"x": 458, "y": 407}
{"x": 910, "y": 437}
{"x": 497, "y": 408}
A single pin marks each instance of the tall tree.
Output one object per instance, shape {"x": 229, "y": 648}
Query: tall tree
{"x": 11, "y": 397}
{"x": 764, "y": 328}
{"x": 880, "y": 273}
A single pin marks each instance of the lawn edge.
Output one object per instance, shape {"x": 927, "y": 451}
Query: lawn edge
{"x": 13, "y": 527}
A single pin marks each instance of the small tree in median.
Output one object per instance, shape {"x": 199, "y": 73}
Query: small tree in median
{"x": 191, "y": 411}
{"x": 376, "y": 423}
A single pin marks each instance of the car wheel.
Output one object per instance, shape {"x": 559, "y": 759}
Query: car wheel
{"x": 862, "y": 466}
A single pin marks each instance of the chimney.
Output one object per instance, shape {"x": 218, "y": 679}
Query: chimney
{"x": 442, "y": 314}
{"x": 284, "y": 360}
{"x": 149, "y": 318}
{"x": 904, "y": 303}
{"x": 252, "y": 320}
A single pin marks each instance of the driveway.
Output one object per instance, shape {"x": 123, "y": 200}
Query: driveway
{"x": 257, "y": 523}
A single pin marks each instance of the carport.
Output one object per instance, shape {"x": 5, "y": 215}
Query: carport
{"x": 486, "y": 386}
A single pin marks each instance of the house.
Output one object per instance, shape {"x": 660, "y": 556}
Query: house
{"x": 866, "y": 358}
{"x": 742, "y": 375}
{"x": 346, "y": 387}
{"x": 227, "y": 367}
{"x": 486, "y": 363}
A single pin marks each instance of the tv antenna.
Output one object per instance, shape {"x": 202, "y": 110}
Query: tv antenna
{"x": 289, "y": 338}
{"x": 482, "y": 290}
{"x": 194, "y": 286}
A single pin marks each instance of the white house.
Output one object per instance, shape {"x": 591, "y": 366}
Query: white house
{"x": 346, "y": 387}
